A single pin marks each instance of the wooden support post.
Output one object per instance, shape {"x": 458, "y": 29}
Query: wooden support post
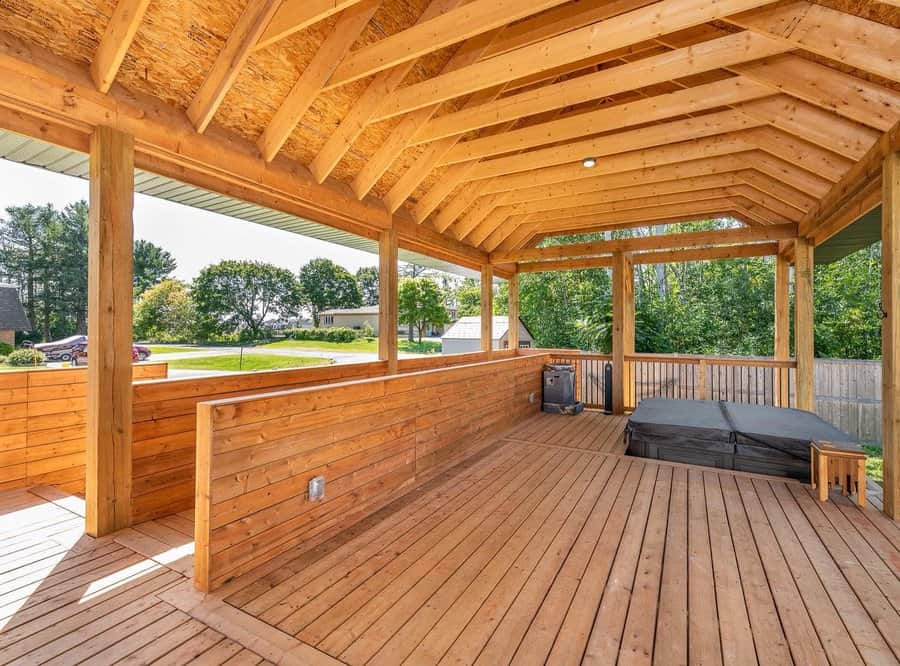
{"x": 890, "y": 332}
{"x": 487, "y": 309}
{"x": 782, "y": 329}
{"x": 623, "y": 327}
{"x": 387, "y": 298}
{"x": 804, "y": 318}
{"x": 110, "y": 268}
{"x": 513, "y": 301}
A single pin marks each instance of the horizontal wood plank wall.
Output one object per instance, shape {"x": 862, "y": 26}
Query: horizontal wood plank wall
{"x": 42, "y": 425}
{"x": 372, "y": 440}
{"x": 165, "y": 427}
{"x": 436, "y": 361}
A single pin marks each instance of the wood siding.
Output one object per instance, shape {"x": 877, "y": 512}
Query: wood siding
{"x": 163, "y": 457}
{"x": 43, "y": 425}
{"x": 372, "y": 440}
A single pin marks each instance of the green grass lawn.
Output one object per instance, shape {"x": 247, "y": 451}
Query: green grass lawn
{"x": 232, "y": 362}
{"x": 157, "y": 349}
{"x": 874, "y": 463}
{"x": 359, "y": 345}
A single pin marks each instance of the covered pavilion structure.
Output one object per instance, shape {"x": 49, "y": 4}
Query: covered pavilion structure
{"x": 458, "y": 524}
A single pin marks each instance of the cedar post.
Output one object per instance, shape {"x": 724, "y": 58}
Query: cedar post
{"x": 487, "y": 309}
{"x": 890, "y": 332}
{"x": 110, "y": 269}
{"x": 782, "y": 329}
{"x": 623, "y": 327}
{"x": 387, "y": 298}
{"x": 513, "y": 288}
{"x": 804, "y": 348}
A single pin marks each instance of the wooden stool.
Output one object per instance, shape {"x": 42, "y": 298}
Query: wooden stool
{"x": 832, "y": 465}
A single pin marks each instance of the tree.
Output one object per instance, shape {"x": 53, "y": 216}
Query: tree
{"x": 165, "y": 313}
{"x": 326, "y": 285}
{"x": 367, "y": 279}
{"x": 468, "y": 298}
{"x": 152, "y": 265}
{"x": 420, "y": 304}
{"x": 240, "y": 295}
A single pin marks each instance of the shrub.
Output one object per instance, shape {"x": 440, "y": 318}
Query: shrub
{"x": 25, "y": 357}
{"x": 6, "y": 349}
{"x": 367, "y": 330}
{"x": 2, "y": 360}
{"x": 324, "y": 334}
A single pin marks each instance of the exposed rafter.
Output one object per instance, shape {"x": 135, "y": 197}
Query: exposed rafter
{"x": 230, "y": 61}
{"x": 347, "y": 30}
{"x": 296, "y": 15}
{"x": 617, "y": 32}
{"x": 119, "y": 34}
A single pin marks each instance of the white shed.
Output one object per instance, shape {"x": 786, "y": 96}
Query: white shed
{"x": 465, "y": 335}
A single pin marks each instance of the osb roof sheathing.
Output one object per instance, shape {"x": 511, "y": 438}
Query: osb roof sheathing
{"x": 178, "y": 41}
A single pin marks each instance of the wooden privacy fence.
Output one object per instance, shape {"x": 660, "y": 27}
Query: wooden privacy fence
{"x": 43, "y": 425}
{"x": 372, "y": 440}
{"x": 165, "y": 422}
{"x": 848, "y": 392}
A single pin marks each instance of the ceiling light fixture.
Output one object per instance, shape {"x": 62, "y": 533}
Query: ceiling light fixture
{"x": 588, "y": 162}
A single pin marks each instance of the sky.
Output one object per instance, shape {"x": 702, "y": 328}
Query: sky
{"x": 196, "y": 238}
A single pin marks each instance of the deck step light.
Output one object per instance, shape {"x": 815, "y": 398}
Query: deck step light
{"x": 588, "y": 162}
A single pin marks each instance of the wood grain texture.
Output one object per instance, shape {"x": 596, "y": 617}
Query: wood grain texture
{"x": 371, "y": 439}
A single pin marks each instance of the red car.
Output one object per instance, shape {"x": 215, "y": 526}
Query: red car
{"x": 138, "y": 353}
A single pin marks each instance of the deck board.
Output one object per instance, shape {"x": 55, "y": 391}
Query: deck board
{"x": 549, "y": 547}
{"x": 561, "y": 550}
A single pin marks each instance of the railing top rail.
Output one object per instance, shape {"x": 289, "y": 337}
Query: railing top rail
{"x": 690, "y": 359}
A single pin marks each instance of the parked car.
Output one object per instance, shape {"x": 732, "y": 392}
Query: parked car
{"x": 138, "y": 353}
{"x": 75, "y": 347}
{"x": 61, "y": 350}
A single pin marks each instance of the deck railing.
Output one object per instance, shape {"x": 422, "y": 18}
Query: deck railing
{"x": 760, "y": 381}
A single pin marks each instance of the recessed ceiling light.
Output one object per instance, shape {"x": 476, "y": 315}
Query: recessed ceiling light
{"x": 588, "y": 162}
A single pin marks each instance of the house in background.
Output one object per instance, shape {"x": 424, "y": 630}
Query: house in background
{"x": 356, "y": 318}
{"x": 12, "y": 314}
{"x": 465, "y": 335}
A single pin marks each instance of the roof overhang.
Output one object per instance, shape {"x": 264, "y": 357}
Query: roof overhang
{"x": 33, "y": 152}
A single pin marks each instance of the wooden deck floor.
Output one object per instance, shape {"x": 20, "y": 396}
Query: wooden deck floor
{"x": 551, "y": 547}
{"x": 561, "y": 554}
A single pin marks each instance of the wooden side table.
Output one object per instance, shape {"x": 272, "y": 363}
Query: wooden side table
{"x": 832, "y": 465}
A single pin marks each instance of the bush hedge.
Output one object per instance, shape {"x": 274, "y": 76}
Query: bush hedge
{"x": 6, "y": 349}
{"x": 325, "y": 334}
{"x": 25, "y": 357}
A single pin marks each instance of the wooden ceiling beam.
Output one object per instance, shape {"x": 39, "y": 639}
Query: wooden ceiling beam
{"x": 786, "y": 172}
{"x": 802, "y": 153}
{"x": 400, "y": 136}
{"x": 653, "y": 242}
{"x": 814, "y": 124}
{"x": 296, "y": 15}
{"x": 867, "y": 45}
{"x": 659, "y": 107}
{"x": 722, "y": 122}
{"x": 609, "y": 196}
{"x": 120, "y": 32}
{"x": 731, "y": 49}
{"x": 614, "y": 33}
{"x": 452, "y": 27}
{"x": 346, "y": 31}
{"x": 230, "y": 61}
{"x": 764, "y": 199}
{"x": 852, "y": 189}
{"x": 359, "y": 115}
{"x": 658, "y": 257}
{"x": 777, "y": 188}
{"x": 705, "y": 148}
{"x": 654, "y": 217}
{"x": 846, "y": 95}
{"x": 677, "y": 198}
{"x": 558, "y": 21}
